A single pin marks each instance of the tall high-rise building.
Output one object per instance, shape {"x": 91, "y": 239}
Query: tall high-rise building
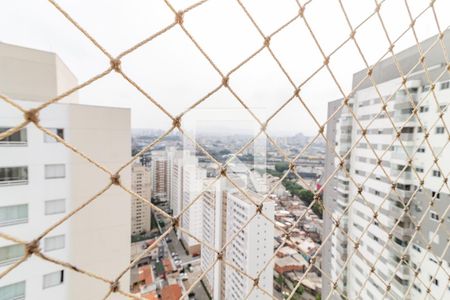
{"x": 399, "y": 214}
{"x": 330, "y": 194}
{"x": 159, "y": 174}
{"x": 175, "y": 174}
{"x": 41, "y": 181}
{"x": 140, "y": 211}
{"x": 191, "y": 219}
{"x": 225, "y": 212}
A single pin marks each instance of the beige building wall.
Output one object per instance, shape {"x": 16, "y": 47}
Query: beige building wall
{"x": 140, "y": 211}
{"x": 34, "y": 75}
{"x": 100, "y": 233}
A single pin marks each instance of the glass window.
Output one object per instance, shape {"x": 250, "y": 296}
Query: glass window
{"x": 13, "y": 174}
{"x": 15, "y": 291}
{"x": 55, "y": 171}
{"x": 19, "y": 137}
{"x": 11, "y": 253}
{"x": 55, "y": 206}
{"x": 53, "y": 279}
{"x": 434, "y": 216}
{"x": 445, "y": 85}
{"x": 439, "y": 130}
{"x": 13, "y": 214}
{"x": 54, "y": 242}
{"x": 57, "y": 131}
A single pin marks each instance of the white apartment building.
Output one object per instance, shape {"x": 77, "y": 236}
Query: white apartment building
{"x": 140, "y": 211}
{"x": 175, "y": 173}
{"x": 191, "y": 219}
{"x": 413, "y": 260}
{"x": 41, "y": 181}
{"x": 251, "y": 249}
{"x": 225, "y": 212}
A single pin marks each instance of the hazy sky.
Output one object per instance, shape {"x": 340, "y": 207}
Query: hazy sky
{"x": 175, "y": 73}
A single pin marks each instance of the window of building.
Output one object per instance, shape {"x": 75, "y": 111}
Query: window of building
{"x": 417, "y": 288}
{"x": 440, "y": 130}
{"x": 13, "y": 175}
{"x": 421, "y": 150}
{"x": 19, "y": 137}
{"x": 434, "y": 280}
{"x": 407, "y": 130}
{"x": 53, "y": 207}
{"x": 436, "y": 173}
{"x": 13, "y": 214}
{"x": 417, "y": 248}
{"x": 53, "y": 279}
{"x": 15, "y": 291}
{"x": 445, "y": 85}
{"x": 434, "y": 216}
{"x": 435, "y": 195}
{"x": 11, "y": 253}
{"x": 57, "y": 131}
{"x": 55, "y": 171}
{"x": 423, "y": 109}
{"x": 425, "y": 88}
{"x": 419, "y": 169}
{"x": 54, "y": 243}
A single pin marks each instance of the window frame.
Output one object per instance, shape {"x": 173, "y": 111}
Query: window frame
{"x": 20, "y": 179}
{"x": 17, "y": 221}
{"x": 54, "y": 177}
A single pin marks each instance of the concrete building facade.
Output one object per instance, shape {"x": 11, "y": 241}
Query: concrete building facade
{"x": 140, "y": 211}
{"x": 41, "y": 181}
{"x": 404, "y": 245}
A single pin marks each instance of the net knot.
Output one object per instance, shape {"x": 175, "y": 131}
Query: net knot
{"x": 267, "y": 41}
{"x": 32, "y": 116}
{"x": 176, "y": 122}
{"x": 297, "y": 92}
{"x": 264, "y": 126}
{"x": 223, "y": 171}
{"x": 32, "y": 247}
{"x": 220, "y": 255}
{"x": 256, "y": 281}
{"x": 259, "y": 208}
{"x": 225, "y": 81}
{"x": 175, "y": 221}
{"x": 369, "y": 72}
{"x": 326, "y": 61}
{"x": 352, "y": 34}
{"x": 115, "y": 179}
{"x": 292, "y": 166}
{"x": 116, "y": 64}
{"x": 301, "y": 11}
{"x": 114, "y": 286}
{"x": 179, "y": 17}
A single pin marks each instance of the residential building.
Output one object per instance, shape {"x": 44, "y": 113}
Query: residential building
{"x": 191, "y": 219}
{"x": 175, "y": 173}
{"x": 225, "y": 212}
{"x": 140, "y": 211}
{"x": 42, "y": 181}
{"x": 159, "y": 174}
{"x": 396, "y": 215}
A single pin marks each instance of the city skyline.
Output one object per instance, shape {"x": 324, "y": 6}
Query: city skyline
{"x": 261, "y": 83}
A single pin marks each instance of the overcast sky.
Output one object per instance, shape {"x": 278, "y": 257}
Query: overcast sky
{"x": 175, "y": 73}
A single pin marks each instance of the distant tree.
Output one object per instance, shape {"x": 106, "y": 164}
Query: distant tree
{"x": 281, "y": 167}
{"x": 318, "y": 296}
{"x": 307, "y": 196}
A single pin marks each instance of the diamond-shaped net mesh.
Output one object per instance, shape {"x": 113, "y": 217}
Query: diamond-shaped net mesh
{"x": 405, "y": 177}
